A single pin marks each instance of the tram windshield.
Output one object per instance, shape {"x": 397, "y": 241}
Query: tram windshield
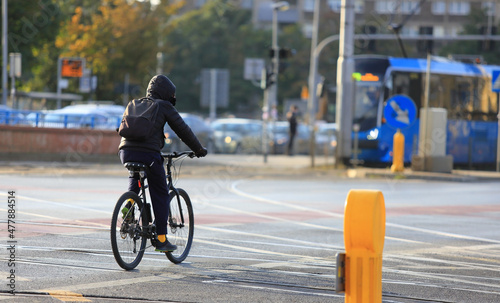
{"x": 367, "y": 98}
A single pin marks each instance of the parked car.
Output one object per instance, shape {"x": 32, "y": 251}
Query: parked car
{"x": 84, "y": 116}
{"x": 280, "y": 132}
{"x": 326, "y": 139}
{"x": 114, "y": 112}
{"x": 237, "y": 135}
{"x": 200, "y": 128}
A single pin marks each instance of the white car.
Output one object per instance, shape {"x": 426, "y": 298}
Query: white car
{"x": 92, "y": 116}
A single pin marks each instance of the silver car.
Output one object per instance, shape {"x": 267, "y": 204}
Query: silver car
{"x": 237, "y": 136}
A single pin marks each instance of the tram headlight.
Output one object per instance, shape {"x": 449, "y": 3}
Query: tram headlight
{"x": 373, "y": 134}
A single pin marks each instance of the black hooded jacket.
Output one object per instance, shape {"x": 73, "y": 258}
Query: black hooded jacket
{"x": 162, "y": 90}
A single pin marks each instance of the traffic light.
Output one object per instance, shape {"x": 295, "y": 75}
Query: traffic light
{"x": 425, "y": 46}
{"x": 267, "y": 78}
{"x": 283, "y": 53}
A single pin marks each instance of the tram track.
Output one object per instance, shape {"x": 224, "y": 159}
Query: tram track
{"x": 433, "y": 267}
{"x": 232, "y": 274}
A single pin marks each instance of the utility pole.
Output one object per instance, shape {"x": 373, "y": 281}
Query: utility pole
{"x": 4, "y": 52}
{"x": 271, "y": 91}
{"x": 313, "y": 70}
{"x": 345, "y": 84}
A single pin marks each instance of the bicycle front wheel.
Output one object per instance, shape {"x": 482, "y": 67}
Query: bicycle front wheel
{"x": 127, "y": 240}
{"x": 180, "y": 227}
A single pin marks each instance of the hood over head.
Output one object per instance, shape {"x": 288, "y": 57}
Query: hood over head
{"x": 160, "y": 87}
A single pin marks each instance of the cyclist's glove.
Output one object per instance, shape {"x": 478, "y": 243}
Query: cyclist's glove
{"x": 201, "y": 153}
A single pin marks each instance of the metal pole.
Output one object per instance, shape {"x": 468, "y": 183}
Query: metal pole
{"x": 213, "y": 94}
{"x": 498, "y": 134}
{"x": 59, "y": 64}
{"x": 345, "y": 69}
{"x": 273, "y": 89}
{"x": 4, "y": 52}
{"x": 313, "y": 70}
{"x": 265, "y": 117}
{"x": 423, "y": 120}
{"x": 12, "y": 58}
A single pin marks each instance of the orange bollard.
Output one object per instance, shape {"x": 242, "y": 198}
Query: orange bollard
{"x": 364, "y": 233}
{"x": 398, "y": 152}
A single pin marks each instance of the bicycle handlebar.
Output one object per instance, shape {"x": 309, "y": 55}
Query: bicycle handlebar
{"x": 174, "y": 155}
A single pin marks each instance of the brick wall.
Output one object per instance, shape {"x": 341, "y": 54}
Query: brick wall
{"x": 32, "y": 143}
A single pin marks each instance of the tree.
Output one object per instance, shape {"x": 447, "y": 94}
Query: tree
{"x": 210, "y": 38}
{"x": 477, "y": 20}
{"x": 220, "y": 35}
{"x": 120, "y": 37}
{"x": 31, "y": 28}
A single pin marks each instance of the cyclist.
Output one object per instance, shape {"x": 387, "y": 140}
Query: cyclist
{"x": 162, "y": 90}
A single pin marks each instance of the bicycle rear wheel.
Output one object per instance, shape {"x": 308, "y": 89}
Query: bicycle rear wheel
{"x": 127, "y": 240}
{"x": 180, "y": 227}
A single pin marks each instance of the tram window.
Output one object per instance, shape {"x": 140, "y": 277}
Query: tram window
{"x": 492, "y": 99}
{"x": 401, "y": 84}
{"x": 436, "y": 93}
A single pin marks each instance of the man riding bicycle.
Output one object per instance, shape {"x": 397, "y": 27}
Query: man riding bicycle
{"x": 148, "y": 151}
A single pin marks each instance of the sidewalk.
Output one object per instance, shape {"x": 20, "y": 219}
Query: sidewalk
{"x": 300, "y": 163}
{"x": 251, "y": 164}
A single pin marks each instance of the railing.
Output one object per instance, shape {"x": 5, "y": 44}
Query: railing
{"x": 58, "y": 120}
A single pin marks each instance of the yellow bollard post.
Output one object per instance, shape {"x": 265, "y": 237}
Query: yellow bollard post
{"x": 398, "y": 152}
{"x": 364, "y": 233}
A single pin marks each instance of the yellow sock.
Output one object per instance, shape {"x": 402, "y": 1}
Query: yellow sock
{"x": 162, "y": 238}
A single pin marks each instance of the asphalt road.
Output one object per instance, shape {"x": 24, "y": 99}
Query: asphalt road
{"x": 261, "y": 235}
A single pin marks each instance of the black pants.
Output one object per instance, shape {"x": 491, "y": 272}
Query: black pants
{"x": 291, "y": 139}
{"x": 156, "y": 181}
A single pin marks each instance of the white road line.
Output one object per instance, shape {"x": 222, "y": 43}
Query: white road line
{"x": 115, "y": 283}
{"x": 235, "y": 190}
{"x": 239, "y": 192}
{"x": 275, "y": 289}
{"x": 444, "y": 234}
{"x": 225, "y": 230}
{"x": 60, "y": 204}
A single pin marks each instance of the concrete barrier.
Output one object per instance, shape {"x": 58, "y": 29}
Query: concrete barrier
{"x": 20, "y": 143}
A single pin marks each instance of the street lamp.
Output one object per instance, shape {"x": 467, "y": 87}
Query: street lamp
{"x": 270, "y": 97}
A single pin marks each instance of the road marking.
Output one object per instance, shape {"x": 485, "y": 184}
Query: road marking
{"x": 274, "y": 289}
{"x": 60, "y": 204}
{"x": 115, "y": 283}
{"x": 68, "y": 296}
{"x": 298, "y": 207}
{"x": 259, "y": 251}
{"x": 296, "y": 241}
{"x": 444, "y": 234}
{"x": 428, "y": 231}
{"x": 235, "y": 190}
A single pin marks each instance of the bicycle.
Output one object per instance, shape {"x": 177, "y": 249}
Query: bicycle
{"x": 132, "y": 223}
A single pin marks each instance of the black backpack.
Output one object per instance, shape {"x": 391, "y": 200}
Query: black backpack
{"x": 138, "y": 120}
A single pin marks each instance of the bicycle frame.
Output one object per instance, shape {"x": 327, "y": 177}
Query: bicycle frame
{"x": 170, "y": 185}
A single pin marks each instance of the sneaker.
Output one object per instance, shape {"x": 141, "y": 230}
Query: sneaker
{"x": 126, "y": 213}
{"x": 165, "y": 246}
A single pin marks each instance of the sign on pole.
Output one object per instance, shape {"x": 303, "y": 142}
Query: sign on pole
{"x": 15, "y": 65}
{"x": 400, "y": 111}
{"x": 253, "y": 68}
{"x": 495, "y": 87}
{"x": 72, "y": 67}
{"x": 214, "y": 87}
{"x": 495, "y": 81}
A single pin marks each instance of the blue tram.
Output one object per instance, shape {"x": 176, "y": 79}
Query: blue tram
{"x": 464, "y": 90}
